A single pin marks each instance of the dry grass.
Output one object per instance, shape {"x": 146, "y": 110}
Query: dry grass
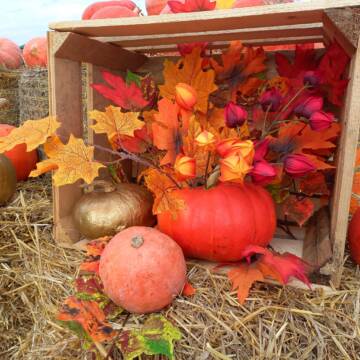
{"x": 275, "y": 322}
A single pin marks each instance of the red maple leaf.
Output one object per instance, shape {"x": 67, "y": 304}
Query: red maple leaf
{"x": 304, "y": 60}
{"x": 299, "y": 210}
{"x": 127, "y": 96}
{"x": 191, "y": 6}
{"x": 188, "y": 290}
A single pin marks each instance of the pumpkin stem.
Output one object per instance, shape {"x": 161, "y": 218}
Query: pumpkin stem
{"x": 137, "y": 241}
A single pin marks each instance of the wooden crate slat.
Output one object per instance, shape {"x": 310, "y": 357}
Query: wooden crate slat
{"x": 213, "y": 36}
{"x": 222, "y": 44}
{"x": 82, "y": 49}
{"x": 345, "y": 169}
{"x": 251, "y": 17}
{"x": 66, "y": 105}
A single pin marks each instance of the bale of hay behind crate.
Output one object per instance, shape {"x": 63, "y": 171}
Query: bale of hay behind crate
{"x": 33, "y": 94}
{"x": 9, "y": 90}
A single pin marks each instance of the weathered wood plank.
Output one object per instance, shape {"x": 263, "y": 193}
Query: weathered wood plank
{"x": 251, "y": 17}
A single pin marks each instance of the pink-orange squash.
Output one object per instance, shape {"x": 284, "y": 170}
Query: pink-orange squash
{"x": 217, "y": 224}
{"x": 142, "y": 269}
{"x": 154, "y": 7}
{"x": 113, "y": 12}
{"x": 35, "y": 52}
{"x": 22, "y": 160}
{"x": 10, "y": 54}
{"x": 93, "y": 8}
{"x": 354, "y": 237}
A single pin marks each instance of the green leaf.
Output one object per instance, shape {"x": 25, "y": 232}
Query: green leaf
{"x": 156, "y": 337}
{"x": 278, "y": 193}
{"x": 133, "y": 78}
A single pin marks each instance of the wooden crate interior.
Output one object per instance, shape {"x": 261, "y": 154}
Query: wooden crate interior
{"x": 139, "y": 44}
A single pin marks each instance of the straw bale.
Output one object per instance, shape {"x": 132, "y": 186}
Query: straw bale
{"x": 9, "y": 90}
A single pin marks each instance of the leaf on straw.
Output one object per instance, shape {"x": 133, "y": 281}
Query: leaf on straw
{"x": 72, "y": 161}
{"x": 297, "y": 210}
{"x": 189, "y": 71}
{"x": 89, "y": 315}
{"x": 94, "y": 250}
{"x": 127, "y": 96}
{"x": 163, "y": 189}
{"x": 188, "y": 290}
{"x": 32, "y": 133}
{"x": 242, "y": 279}
{"x": 155, "y": 337}
{"x": 113, "y": 122}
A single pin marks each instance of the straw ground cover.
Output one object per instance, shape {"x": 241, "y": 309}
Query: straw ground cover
{"x": 275, "y": 323}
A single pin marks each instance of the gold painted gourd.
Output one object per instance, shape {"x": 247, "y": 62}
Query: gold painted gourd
{"x": 107, "y": 209}
{"x": 7, "y": 180}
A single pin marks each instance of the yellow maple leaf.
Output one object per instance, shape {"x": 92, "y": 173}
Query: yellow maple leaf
{"x": 224, "y": 4}
{"x": 72, "y": 161}
{"x": 163, "y": 188}
{"x": 113, "y": 122}
{"x": 32, "y": 133}
{"x": 189, "y": 71}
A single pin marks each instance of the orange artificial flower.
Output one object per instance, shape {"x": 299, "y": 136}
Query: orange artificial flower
{"x": 185, "y": 96}
{"x": 228, "y": 147}
{"x": 205, "y": 138}
{"x": 185, "y": 167}
{"x": 234, "y": 168}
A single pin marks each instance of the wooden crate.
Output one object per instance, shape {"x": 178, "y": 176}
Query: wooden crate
{"x": 134, "y": 44}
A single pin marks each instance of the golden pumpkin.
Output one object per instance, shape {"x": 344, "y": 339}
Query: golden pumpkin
{"x": 7, "y": 179}
{"x": 107, "y": 209}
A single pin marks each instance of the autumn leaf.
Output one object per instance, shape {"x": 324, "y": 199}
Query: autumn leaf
{"x": 191, "y": 5}
{"x": 165, "y": 130}
{"x": 89, "y": 315}
{"x": 71, "y": 162}
{"x": 32, "y": 133}
{"x": 314, "y": 184}
{"x": 242, "y": 278}
{"x": 305, "y": 59}
{"x": 188, "y": 290}
{"x": 94, "y": 250}
{"x": 224, "y": 4}
{"x": 299, "y": 210}
{"x": 127, "y": 96}
{"x": 113, "y": 122}
{"x": 163, "y": 189}
{"x": 189, "y": 71}
{"x": 155, "y": 337}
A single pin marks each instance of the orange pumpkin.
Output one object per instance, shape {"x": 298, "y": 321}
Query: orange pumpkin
{"x": 35, "y": 52}
{"x": 93, "y": 8}
{"x": 354, "y": 237}
{"x": 10, "y": 54}
{"x": 113, "y": 12}
{"x": 154, "y": 7}
{"x": 23, "y": 161}
{"x": 219, "y": 223}
{"x": 142, "y": 270}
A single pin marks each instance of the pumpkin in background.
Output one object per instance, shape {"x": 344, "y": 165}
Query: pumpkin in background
{"x": 93, "y": 8}
{"x": 23, "y": 161}
{"x": 113, "y": 12}
{"x": 35, "y": 52}
{"x": 217, "y": 224}
{"x": 107, "y": 209}
{"x": 142, "y": 270}
{"x": 7, "y": 180}
{"x": 249, "y": 3}
{"x": 154, "y": 7}
{"x": 10, "y": 54}
{"x": 354, "y": 237}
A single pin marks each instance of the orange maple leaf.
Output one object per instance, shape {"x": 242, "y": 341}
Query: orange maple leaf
{"x": 32, "y": 133}
{"x": 189, "y": 71}
{"x": 94, "y": 250}
{"x": 163, "y": 188}
{"x": 89, "y": 315}
{"x": 72, "y": 161}
{"x": 300, "y": 138}
{"x": 242, "y": 279}
{"x": 165, "y": 130}
{"x": 188, "y": 290}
